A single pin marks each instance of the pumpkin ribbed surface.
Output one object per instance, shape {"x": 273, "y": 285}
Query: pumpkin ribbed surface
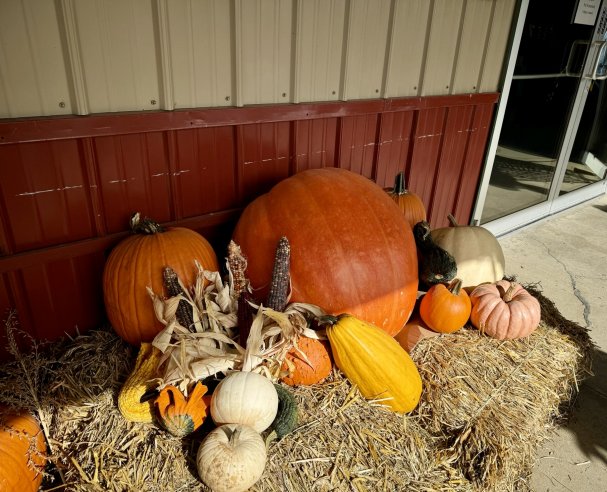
{"x": 138, "y": 262}
{"x": 21, "y": 439}
{"x": 504, "y": 310}
{"x": 352, "y": 250}
{"x": 375, "y": 362}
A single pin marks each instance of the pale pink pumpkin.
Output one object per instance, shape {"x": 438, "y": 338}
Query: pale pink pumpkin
{"x": 504, "y": 310}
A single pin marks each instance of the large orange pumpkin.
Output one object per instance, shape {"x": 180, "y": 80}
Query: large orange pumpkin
{"x": 21, "y": 442}
{"x": 138, "y": 262}
{"x": 352, "y": 249}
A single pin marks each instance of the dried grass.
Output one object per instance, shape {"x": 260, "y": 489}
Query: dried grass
{"x": 486, "y": 406}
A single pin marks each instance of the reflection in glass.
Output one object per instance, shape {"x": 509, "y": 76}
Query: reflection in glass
{"x": 588, "y": 161}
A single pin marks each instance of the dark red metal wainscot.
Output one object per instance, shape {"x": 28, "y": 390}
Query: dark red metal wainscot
{"x": 69, "y": 184}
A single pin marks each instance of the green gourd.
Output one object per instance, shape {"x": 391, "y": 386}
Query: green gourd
{"x": 286, "y": 418}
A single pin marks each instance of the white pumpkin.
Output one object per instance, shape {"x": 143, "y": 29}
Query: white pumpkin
{"x": 245, "y": 398}
{"x": 231, "y": 458}
{"x": 477, "y": 252}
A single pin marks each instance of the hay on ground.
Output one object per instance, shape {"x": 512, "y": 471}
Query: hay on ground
{"x": 485, "y": 407}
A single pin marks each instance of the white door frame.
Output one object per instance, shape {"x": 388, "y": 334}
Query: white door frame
{"x": 553, "y": 203}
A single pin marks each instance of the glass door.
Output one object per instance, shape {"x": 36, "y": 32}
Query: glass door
{"x": 553, "y": 134}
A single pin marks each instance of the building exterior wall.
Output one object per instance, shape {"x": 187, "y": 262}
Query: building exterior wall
{"x": 187, "y": 110}
{"x": 95, "y": 56}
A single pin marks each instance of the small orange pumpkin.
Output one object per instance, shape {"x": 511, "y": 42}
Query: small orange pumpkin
{"x": 445, "y": 309}
{"x": 181, "y": 416}
{"x": 318, "y": 353}
{"x": 411, "y": 205}
{"x": 138, "y": 262}
{"x": 22, "y": 444}
{"x": 504, "y": 310}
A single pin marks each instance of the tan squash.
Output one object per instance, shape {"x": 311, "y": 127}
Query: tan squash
{"x": 477, "y": 252}
{"x": 375, "y": 362}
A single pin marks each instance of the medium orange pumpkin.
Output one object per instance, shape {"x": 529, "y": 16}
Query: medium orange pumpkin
{"x": 21, "y": 442}
{"x": 411, "y": 205}
{"x": 138, "y": 262}
{"x": 318, "y": 353}
{"x": 445, "y": 309}
{"x": 352, "y": 250}
{"x": 504, "y": 310}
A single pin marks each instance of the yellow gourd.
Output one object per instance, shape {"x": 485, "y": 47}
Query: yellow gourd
{"x": 375, "y": 362}
{"x": 138, "y": 383}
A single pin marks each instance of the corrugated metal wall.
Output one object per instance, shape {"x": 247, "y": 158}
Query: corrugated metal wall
{"x": 68, "y": 185}
{"x": 93, "y": 56}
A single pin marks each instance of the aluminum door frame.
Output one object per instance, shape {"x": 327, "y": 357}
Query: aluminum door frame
{"x": 553, "y": 203}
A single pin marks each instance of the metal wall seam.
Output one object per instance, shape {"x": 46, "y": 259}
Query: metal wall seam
{"x": 476, "y": 20}
{"x": 74, "y": 58}
{"x": 167, "y": 97}
{"x": 444, "y": 33}
{"x": 494, "y": 61}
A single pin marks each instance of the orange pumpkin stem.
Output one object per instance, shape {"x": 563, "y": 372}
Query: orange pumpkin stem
{"x": 455, "y": 286}
{"x": 510, "y": 292}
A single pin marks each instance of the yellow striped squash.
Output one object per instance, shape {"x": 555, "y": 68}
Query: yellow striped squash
{"x": 374, "y": 362}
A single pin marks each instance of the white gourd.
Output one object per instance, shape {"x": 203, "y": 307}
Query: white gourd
{"x": 231, "y": 458}
{"x": 245, "y": 398}
{"x": 477, "y": 252}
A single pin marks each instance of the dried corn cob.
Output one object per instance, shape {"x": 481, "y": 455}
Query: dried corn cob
{"x": 137, "y": 384}
{"x": 175, "y": 288}
{"x": 279, "y": 288}
{"x": 237, "y": 264}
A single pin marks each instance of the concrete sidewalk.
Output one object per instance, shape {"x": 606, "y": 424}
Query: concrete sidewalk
{"x": 567, "y": 254}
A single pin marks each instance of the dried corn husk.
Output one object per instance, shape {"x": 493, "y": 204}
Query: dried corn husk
{"x": 212, "y": 348}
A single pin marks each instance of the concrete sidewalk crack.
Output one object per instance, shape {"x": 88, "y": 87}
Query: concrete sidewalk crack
{"x": 576, "y": 291}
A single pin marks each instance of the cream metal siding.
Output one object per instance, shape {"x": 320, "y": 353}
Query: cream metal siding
{"x": 92, "y": 56}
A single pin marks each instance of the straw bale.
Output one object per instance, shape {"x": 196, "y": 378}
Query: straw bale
{"x": 485, "y": 407}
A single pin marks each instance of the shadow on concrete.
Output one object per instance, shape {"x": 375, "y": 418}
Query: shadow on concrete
{"x": 589, "y": 420}
{"x": 601, "y": 207}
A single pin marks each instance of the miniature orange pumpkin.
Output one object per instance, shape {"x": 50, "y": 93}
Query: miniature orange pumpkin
{"x": 138, "y": 262}
{"x": 445, "y": 309}
{"x": 21, "y": 443}
{"x": 410, "y": 204}
{"x": 352, "y": 249}
{"x": 181, "y": 416}
{"x": 318, "y": 353}
{"x": 504, "y": 310}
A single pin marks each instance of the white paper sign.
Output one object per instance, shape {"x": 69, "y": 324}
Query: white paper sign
{"x": 586, "y": 12}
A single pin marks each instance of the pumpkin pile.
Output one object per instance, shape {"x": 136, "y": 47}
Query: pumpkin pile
{"x": 323, "y": 269}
